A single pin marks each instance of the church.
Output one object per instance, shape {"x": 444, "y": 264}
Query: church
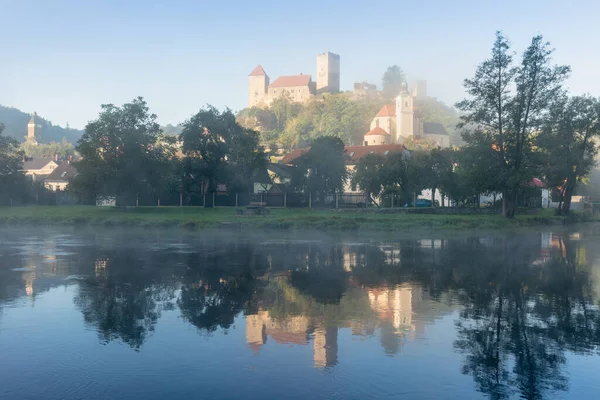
{"x": 395, "y": 123}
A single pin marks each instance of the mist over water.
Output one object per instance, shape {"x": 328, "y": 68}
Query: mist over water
{"x": 143, "y": 315}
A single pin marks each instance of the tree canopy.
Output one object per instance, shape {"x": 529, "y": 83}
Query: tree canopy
{"x": 392, "y": 81}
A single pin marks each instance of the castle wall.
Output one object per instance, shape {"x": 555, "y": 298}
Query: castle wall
{"x": 299, "y": 94}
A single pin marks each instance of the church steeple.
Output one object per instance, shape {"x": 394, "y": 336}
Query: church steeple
{"x": 33, "y": 129}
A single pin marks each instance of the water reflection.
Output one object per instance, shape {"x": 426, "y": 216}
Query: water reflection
{"x": 521, "y": 303}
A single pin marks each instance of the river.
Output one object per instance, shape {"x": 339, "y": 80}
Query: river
{"x": 116, "y": 314}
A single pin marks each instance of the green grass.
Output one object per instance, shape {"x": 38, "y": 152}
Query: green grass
{"x": 197, "y": 217}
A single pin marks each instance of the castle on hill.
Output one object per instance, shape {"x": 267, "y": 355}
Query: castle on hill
{"x": 300, "y": 88}
{"x": 397, "y": 122}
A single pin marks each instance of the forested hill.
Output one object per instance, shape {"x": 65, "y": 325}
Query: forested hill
{"x": 15, "y": 125}
{"x": 290, "y": 125}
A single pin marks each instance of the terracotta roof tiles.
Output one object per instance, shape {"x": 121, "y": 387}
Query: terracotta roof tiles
{"x": 291, "y": 80}
{"x": 389, "y": 110}
{"x": 258, "y": 71}
{"x": 376, "y": 131}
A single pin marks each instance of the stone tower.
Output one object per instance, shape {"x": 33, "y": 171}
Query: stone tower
{"x": 34, "y": 129}
{"x": 404, "y": 115}
{"x": 258, "y": 82}
{"x": 420, "y": 89}
{"x": 328, "y": 73}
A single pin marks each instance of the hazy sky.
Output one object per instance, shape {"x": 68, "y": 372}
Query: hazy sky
{"x": 63, "y": 58}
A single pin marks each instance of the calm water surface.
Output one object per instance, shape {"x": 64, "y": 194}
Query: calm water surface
{"x": 130, "y": 315}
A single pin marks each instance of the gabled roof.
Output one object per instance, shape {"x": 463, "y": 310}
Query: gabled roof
{"x": 62, "y": 173}
{"x": 376, "y": 131}
{"x": 389, "y": 110}
{"x": 291, "y": 80}
{"x": 434, "y": 128}
{"x": 354, "y": 153}
{"x": 36, "y": 163}
{"x": 258, "y": 71}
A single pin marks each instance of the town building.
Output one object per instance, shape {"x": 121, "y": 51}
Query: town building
{"x": 39, "y": 168}
{"x": 59, "y": 178}
{"x": 300, "y": 88}
{"x": 402, "y": 120}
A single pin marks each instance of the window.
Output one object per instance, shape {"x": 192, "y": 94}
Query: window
{"x": 352, "y": 154}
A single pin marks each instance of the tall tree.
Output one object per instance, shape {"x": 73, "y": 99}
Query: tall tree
{"x": 12, "y": 180}
{"x": 506, "y": 109}
{"x": 322, "y": 169}
{"x": 219, "y": 150}
{"x": 569, "y": 140}
{"x": 369, "y": 175}
{"x": 120, "y": 154}
{"x": 392, "y": 81}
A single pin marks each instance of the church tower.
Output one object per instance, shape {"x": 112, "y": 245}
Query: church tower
{"x": 34, "y": 129}
{"x": 258, "y": 83}
{"x": 404, "y": 115}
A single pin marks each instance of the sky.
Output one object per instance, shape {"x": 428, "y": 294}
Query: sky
{"x": 64, "y": 58}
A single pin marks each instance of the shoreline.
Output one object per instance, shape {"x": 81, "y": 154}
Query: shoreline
{"x": 196, "y": 218}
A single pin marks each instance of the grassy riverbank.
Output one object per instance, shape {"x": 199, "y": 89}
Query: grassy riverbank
{"x": 193, "y": 217}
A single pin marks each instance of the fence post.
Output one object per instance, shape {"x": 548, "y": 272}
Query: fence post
{"x": 309, "y": 199}
{"x": 159, "y": 202}
{"x": 137, "y": 201}
{"x": 392, "y": 200}
{"x": 180, "y": 199}
{"x": 204, "y": 200}
{"x": 236, "y": 200}
{"x": 213, "y": 200}
{"x": 337, "y": 200}
{"x": 284, "y": 199}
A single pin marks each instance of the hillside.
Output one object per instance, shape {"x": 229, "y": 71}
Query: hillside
{"x": 15, "y": 124}
{"x": 290, "y": 125}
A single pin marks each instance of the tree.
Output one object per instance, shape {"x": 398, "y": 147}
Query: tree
{"x": 506, "y": 109}
{"x": 219, "y": 150}
{"x": 569, "y": 141}
{"x": 435, "y": 169}
{"x": 392, "y": 81}
{"x": 369, "y": 176}
{"x": 12, "y": 180}
{"x": 322, "y": 169}
{"x": 63, "y": 150}
{"x": 120, "y": 154}
{"x": 399, "y": 172}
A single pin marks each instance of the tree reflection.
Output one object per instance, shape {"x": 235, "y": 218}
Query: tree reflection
{"x": 126, "y": 296}
{"x": 521, "y": 315}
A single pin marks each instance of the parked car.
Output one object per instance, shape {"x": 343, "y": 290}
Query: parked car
{"x": 420, "y": 203}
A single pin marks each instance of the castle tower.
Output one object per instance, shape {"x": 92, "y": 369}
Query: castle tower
{"x": 34, "y": 129}
{"x": 258, "y": 82}
{"x": 328, "y": 73}
{"x": 404, "y": 115}
{"x": 420, "y": 89}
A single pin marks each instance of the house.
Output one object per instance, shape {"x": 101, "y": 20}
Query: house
{"x": 58, "y": 179}
{"x": 38, "y": 168}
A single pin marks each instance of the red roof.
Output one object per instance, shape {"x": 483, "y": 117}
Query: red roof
{"x": 389, "y": 110}
{"x": 292, "y": 80}
{"x": 355, "y": 153}
{"x": 258, "y": 71}
{"x": 376, "y": 131}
